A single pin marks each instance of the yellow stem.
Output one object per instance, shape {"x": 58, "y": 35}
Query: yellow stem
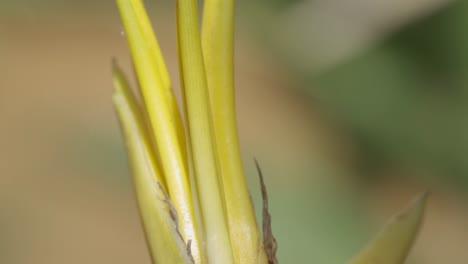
{"x": 218, "y": 244}
{"x": 164, "y": 242}
{"x": 161, "y": 114}
{"x": 218, "y": 51}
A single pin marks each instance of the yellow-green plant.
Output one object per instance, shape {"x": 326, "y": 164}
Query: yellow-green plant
{"x": 393, "y": 243}
{"x": 187, "y": 170}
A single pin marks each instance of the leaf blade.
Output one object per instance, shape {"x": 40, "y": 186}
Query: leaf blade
{"x": 201, "y": 132}
{"x": 164, "y": 242}
{"x": 218, "y": 52}
{"x": 394, "y": 242}
{"x": 168, "y": 135}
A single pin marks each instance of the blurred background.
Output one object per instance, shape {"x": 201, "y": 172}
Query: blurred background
{"x": 351, "y": 107}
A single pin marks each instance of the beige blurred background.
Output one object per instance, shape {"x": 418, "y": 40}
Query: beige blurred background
{"x": 65, "y": 191}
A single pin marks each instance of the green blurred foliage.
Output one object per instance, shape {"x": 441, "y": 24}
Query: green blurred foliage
{"x": 278, "y": 4}
{"x": 406, "y": 100}
{"x": 404, "y": 103}
{"x": 318, "y": 221}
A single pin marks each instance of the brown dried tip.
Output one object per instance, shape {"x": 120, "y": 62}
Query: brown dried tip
{"x": 269, "y": 241}
{"x": 175, "y": 218}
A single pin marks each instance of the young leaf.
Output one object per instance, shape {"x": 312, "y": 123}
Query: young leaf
{"x": 201, "y": 132}
{"x": 392, "y": 245}
{"x": 218, "y": 53}
{"x": 164, "y": 241}
{"x": 164, "y": 119}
